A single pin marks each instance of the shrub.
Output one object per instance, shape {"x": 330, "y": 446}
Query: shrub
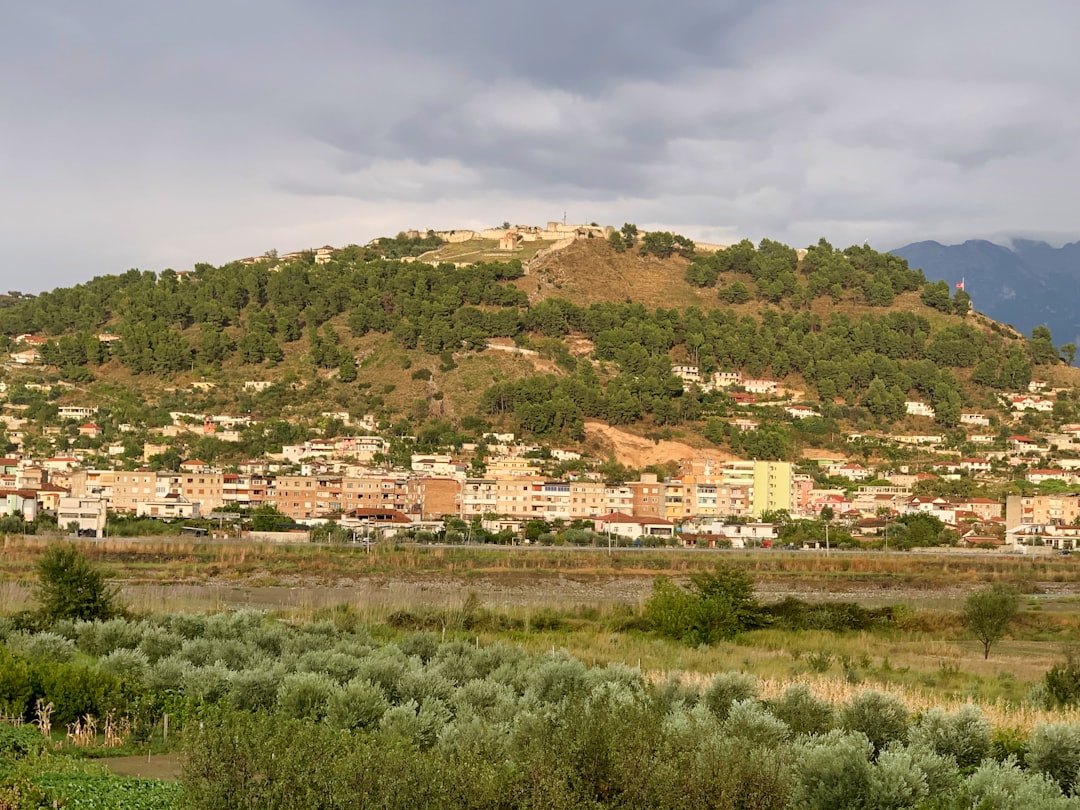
{"x": 753, "y": 724}
{"x": 725, "y": 689}
{"x": 357, "y": 705}
{"x": 304, "y": 695}
{"x": 15, "y": 686}
{"x": 255, "y": 690}
{"x": 1054, "y": 749}
{"x": 717, "y": 606}
{"x": 168, "y": 674}
{"x": 557, "y": 678}
{"x": 126, "y": 665}
{"x": 209, "y": 684}
{"x": 833, "y": 772}
{"x": 424, "y": 684}
{"x": 76, "y": 690}
{"x": 964, "y": 736}
{"x": 1003, "y": 786}
{"x": 896, "y": 780}
{"x": 422, "y": 645}
{"x": 802, "y": 712}
{"x": 882, "y": 718}
{"x": 98, "y": 638}
{"x": 42, "y": 646}
{"x": 1062, "y": 681}
{"x": 158, "y": 643}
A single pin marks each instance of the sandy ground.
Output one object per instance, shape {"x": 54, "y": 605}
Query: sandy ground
{"x": 637, "y": 451}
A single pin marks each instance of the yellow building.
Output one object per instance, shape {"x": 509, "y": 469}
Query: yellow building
{"x": 773, "y": 487}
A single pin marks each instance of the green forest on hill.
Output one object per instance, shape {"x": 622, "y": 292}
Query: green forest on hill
{"x": 864, "y": 351}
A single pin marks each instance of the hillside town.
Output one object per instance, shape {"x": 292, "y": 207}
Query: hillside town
{"x": 503, "y": 483}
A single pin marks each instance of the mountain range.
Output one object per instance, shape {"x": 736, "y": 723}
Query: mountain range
{"x": 1026, "y": 285}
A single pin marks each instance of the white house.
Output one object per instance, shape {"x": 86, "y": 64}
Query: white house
{"x": 86, "y": 514}
{"x": 974, "y": 419}
{"x": 722, "y": 379}
{"x": 760, "y": 386}
{"x": 918, "y": 409}
{"x": 800, "y": 411}
{"x": 632, "y": 528}
{"x": 1028, "y": 403}
{"x": 688, "y": 374}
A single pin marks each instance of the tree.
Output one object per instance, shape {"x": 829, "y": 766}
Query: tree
{"x": 989, "y": 611}
{"x": 69, "y": 587}
{"x": 716, "y": 606}
{"x": 1068, "y": 350}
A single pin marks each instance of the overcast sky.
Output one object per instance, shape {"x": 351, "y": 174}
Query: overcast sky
{"x": 152, "y": 135}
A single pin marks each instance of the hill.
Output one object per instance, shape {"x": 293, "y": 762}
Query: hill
{"x": 608, "y": 339}
{"x": 1027, "y": 285}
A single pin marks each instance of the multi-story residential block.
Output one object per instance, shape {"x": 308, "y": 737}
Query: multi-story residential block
{"x": 479, "y": 497}
{"x": 1061, "y": 510}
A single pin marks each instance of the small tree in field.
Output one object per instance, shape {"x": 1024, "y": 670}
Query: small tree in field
{"x": 69, "y": 587}
{"x": 987, "y": 613}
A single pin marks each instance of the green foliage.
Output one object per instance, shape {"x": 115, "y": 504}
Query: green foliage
{"x": 716, "y": 606}
{"x": 802, "y": 712}
{"x": 989, "y": 612}
{"x": 69, "y": 587}
{"x": 880, "y": 717}
{"x": 1062, "y": 680}
{"x": 964, "y": 736}
{"x": 797, "y": 614}
{"x": 1054, "y": 750}
{"x": 726, "y": 689}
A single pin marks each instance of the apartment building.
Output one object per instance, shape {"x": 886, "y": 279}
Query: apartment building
{"x": 1061, "y": 510}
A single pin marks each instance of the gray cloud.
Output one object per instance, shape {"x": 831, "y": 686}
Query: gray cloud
{"x": 138, "y": 135}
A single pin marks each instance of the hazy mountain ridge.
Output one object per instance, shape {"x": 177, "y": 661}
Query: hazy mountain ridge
{"x": 1026, "y": 285}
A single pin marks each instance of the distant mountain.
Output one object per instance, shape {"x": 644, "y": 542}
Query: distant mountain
{"x": 1027, "y": 285}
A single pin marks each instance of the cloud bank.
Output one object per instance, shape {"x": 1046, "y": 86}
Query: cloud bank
{"x": 138, "y": 135}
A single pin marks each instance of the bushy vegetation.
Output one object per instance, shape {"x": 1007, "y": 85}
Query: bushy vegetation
{"x": 324, "y": 715}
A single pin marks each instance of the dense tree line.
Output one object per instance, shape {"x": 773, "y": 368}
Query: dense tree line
{"x": 775, "y": 274}
{"x": 250, "y": 313}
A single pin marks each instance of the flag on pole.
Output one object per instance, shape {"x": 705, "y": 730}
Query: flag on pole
{"x": 960, "y": 284}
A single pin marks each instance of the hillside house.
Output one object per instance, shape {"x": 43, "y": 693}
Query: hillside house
{"x": 760, "y": 386}
{"x": 26, "y": 357}
{"x": 975, "y": 466}
{"x": 800, "y": 412}
{"x": 974, "y": 419}
{"x": 915, "y": 408}
{"x": 1023, "y": 443}
{"x": 1028, "y": 403}
{"x": 722, "y": 379}
{"x": 688, "y": 374}
{"x": 75, "y": 412}
{"x": 1041, "y": 476}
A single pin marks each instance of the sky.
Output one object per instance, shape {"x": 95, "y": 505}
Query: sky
{"x": 149, "y": 135}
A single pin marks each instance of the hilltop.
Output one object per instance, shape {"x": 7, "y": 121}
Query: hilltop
{"x": 642, "y": 337}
